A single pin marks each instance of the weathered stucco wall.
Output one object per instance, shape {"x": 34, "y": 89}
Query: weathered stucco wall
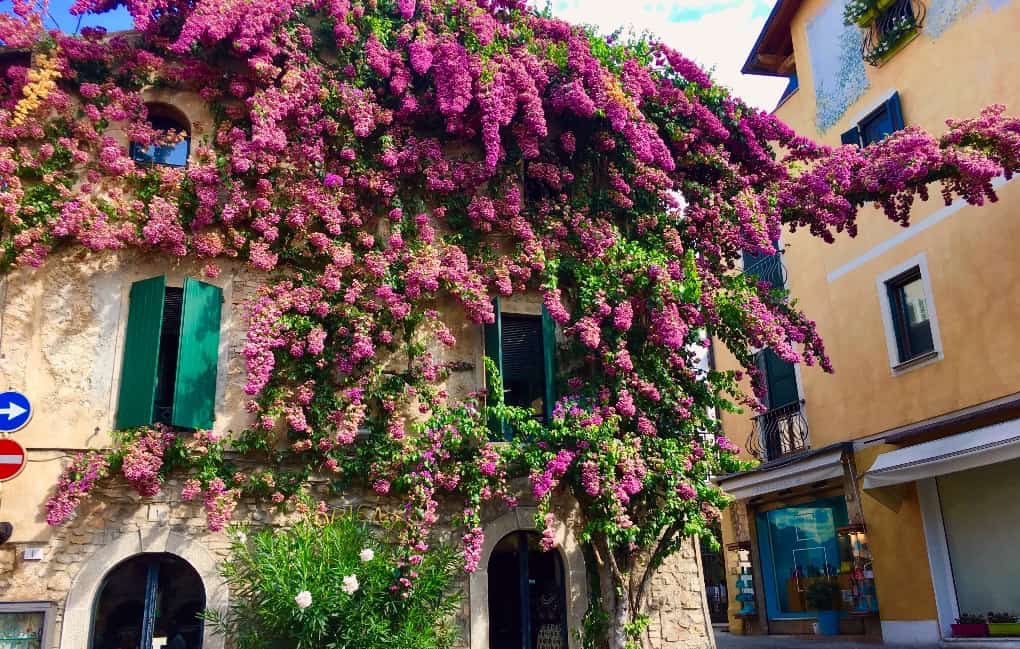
{"x": 61, "y": 339}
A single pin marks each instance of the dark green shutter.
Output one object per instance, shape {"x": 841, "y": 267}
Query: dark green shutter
{"x": 494, "y": 350}
{"x": 895, "y": 112}
{"x": 782, "y": 380}
{"x": 141, "y": 353}
{"x": 549, "y": 361}
{"x": 195, "y": 385}
{"x": 853, "y": 136}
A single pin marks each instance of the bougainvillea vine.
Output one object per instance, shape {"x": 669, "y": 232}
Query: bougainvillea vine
{"x": 384, "y": 162}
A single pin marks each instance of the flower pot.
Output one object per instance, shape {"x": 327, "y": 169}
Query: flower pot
{"x": 867, "y": 18}
{"x": 1003, "y": 628}
{"x": 970, "y": 630}
{"x": 828, "y": 622}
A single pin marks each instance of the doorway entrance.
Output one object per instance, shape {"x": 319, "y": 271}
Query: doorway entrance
{"x": 527, "y": 595}
{"x": 150, "y": 601}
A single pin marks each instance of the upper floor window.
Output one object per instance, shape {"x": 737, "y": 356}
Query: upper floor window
{"x": 175, "y": 138}
{"x": 909, "y": 314}
{"x": 523, "y": 347}
{"x": 878, "y": 124}
{"x": 908, "y": 306}
{"x": 171, "y": 351}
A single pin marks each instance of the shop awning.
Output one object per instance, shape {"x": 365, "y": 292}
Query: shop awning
{"x": 970, "y": 450}
{"x": 797, "y": 471}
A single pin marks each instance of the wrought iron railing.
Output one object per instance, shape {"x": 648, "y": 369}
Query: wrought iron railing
{"x": 769, "y": 269}
{"x": 779, "y": 432}
{"x": 893, "y": 26}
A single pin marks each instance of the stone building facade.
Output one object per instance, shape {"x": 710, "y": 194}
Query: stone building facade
{"x": 62, "y": 343}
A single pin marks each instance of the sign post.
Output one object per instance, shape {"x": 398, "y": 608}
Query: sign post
{"x": 12, "y": 459}
{"x": 15, "y": 411}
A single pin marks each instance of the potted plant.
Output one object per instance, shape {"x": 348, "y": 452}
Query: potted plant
{"x": 822, "y": 596}
{"x": 884, "y": 4}
{"x": 859, "y": 12}
{"x": 1000, "y": 624}
{"x": 969, "y": 625}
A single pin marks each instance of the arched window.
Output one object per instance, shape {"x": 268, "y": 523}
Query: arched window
{"x": 147, "y": 602}
{"x": 527, "y": 595}
{"x": 165, "y": 119}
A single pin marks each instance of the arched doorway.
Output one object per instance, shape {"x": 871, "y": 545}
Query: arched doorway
{"x": 527, "y": 595}
{"x": 149, "y": 601}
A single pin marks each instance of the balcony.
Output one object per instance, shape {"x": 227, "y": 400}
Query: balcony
{"x": 768, "y": 269}
{"x": 779, "y": 432}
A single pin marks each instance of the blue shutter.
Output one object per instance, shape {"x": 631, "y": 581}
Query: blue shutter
{"x": 892, "y": 105}
{"x": 853, "y": 136}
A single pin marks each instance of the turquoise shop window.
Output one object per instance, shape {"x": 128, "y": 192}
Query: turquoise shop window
{"x": 798, "y": 546}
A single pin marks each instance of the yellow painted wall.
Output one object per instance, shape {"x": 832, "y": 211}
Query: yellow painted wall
{"x": 974, "y": 272}
{"x": 971, "y": 255}
{"x": 896, "y": 538}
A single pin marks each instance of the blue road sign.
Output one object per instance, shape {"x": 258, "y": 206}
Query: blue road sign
{"x": 15, "y": 411}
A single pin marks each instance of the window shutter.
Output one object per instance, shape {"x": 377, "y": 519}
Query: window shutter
{"x": 892, "y": 105}
{"x": 853, "y": 136}
{"x": 494, "y": 350}
{"x": 782, "y": 380}
{"x": 549, "y": 358}
{"x": 141, "y": 353}
{"x": 195, "y": 386}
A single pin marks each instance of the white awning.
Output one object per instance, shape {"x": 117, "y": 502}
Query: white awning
{"x": 812, "y": 469}
{"x": 970, "y": 450}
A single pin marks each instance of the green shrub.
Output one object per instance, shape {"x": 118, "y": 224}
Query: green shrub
{"x": 295, "y": 589}
{"x": 822, "y": 595}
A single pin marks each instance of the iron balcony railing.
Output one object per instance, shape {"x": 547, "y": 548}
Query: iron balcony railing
{"x": 891, "y": 28}
{"x": 779, "y": 432}
{"x": 769, "y": 269}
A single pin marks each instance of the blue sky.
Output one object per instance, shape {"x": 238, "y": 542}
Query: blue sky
{"x": 716, "y": 33}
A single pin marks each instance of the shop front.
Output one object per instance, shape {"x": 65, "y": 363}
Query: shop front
{"x": 799, "y": 526}
{"x": 968, "y": 488}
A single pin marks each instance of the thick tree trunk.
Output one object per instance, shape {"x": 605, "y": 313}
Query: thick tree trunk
{"x": 619, "y": 618}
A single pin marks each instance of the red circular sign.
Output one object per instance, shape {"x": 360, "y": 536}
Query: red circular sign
{"x": 12, "y": 459}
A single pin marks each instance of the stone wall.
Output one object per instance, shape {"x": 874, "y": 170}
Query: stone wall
{"x": 117, "y": 524}
{"x": 61, "y": 342}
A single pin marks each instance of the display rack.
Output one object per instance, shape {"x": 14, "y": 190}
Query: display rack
{"x": 856, "y": 571}
{"x": 741, "y": 555}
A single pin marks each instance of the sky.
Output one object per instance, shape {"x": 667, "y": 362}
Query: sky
{"x": 718, "y": 34}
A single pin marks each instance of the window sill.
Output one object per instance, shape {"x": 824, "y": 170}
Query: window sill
{"x": 917, "y": 362}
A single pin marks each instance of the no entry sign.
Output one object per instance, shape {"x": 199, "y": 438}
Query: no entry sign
{"x": 12, "y": 459}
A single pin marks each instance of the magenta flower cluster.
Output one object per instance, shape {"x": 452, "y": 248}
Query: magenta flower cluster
{"x": 378, "y": 162}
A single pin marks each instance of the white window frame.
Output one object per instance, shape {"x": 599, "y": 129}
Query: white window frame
{"x": 48, "y": 609}
{"x": 921, "y": 262}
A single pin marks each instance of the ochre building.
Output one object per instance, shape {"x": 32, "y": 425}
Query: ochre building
{"x": 897, "y": 479}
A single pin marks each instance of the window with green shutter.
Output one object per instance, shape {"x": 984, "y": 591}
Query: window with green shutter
{"x": 523, "y": 348}
{"x": 171, "y": 351}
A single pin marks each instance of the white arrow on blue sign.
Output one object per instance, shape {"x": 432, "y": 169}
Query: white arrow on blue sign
{"x": 15, "y": 411}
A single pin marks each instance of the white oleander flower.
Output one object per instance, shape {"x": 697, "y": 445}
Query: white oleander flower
{"x": 367, "y": 554}
{"x": 350, "y": 584}
{"x": 303, "y": 599}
